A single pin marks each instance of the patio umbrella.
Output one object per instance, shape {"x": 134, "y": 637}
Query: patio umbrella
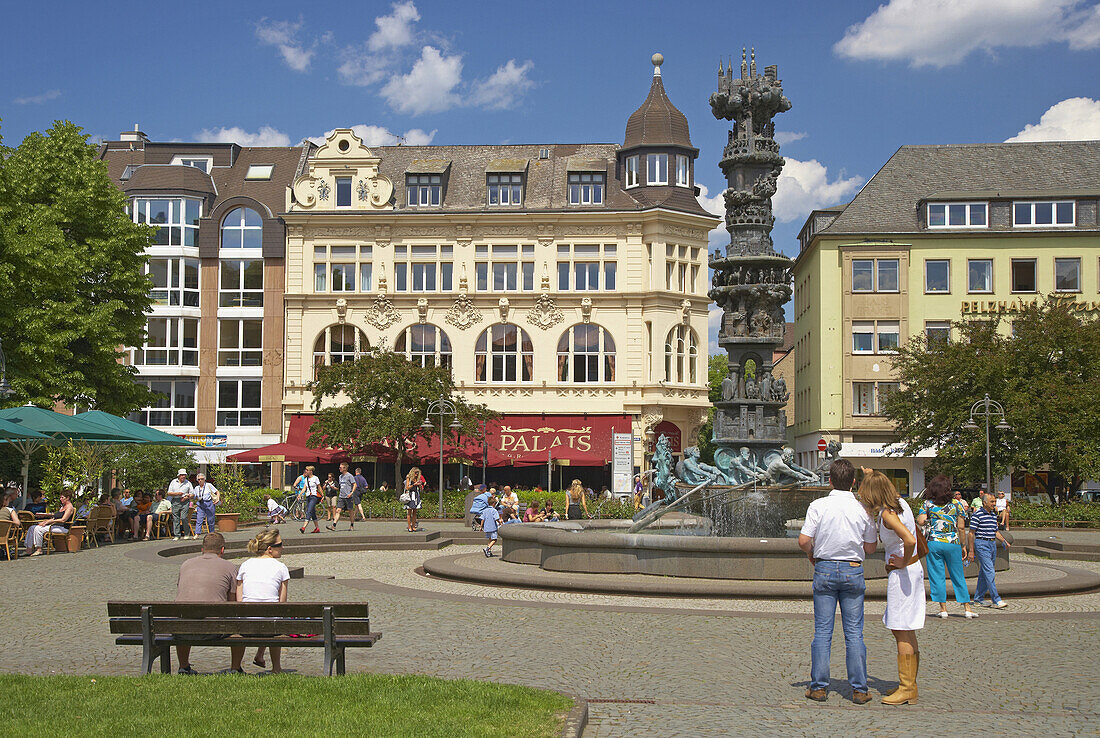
{"x": 10, "y": 431}
{"x": 149, "y": 436}
{"x": 57, "y": 430}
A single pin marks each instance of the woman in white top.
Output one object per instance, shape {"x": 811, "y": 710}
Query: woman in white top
{"x": 263, "y": 579}
{"x": 905, "y": 586}
{"x": 310, "y": 486}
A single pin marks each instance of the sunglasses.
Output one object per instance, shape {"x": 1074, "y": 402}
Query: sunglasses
{"x": 276, "y": 545}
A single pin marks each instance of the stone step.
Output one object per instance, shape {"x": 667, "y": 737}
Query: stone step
{"x": 1057, "y": 545}
{"x": 1048, "y": 553}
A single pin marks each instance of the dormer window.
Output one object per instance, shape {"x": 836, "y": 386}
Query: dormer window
{"x": 198, "y": 162}
{"x": 259, "y": 172}
{"x": 681, "y": 170}
{"x": 424, "y": 189}
{"x": 631, "y": 171}
{"x": 343, "y": 192}
{"x": 586, "y": 188}
{"x": 1043, "y": 213}
{"x": 957, "y": 215}
{"x": 128, "y": 172}
{"x": 657, "y": 169}
{"x": 504, "y": 189}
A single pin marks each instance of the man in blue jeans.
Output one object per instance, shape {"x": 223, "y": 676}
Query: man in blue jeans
{"x": 837, "y": 535}
{"x": 983, "y": 541}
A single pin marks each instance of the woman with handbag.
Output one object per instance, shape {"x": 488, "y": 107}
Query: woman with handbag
{"x": 410, "y": 498}
{"x": 904, "y": 614}
{"x": 948, "y": 545}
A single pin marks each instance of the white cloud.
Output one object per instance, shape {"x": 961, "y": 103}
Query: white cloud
{"x": 504, "y": 88}
{"x": 266, "y": 136}
{"x": 714, "y": 324}
{"x": 804, "y": 186}
{"x": 940, "y": 33}
{"x": 1074, "y": 119}
{"x": 362, "y": 69}
{"x": 716, "y": 205}
{"x": 38, "y": 99}
{"x": 379, "y": 136}
{"x": 394, "y": 30}
{"x": 785, "y": 137}
{"x": 429, "y": 87}
{"x": 283, "y": 35}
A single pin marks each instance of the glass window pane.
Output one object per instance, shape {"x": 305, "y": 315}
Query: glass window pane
{"x": 937, "y": 276}
{"x": 863, "y": 275}
{"x": 320, "y": 273}
{"x": 1044, "y": 213}
{"x": 252, "y": 238}
{"x": 956, "y": 215}
{"x": 609, "y": 275}
{"x": 563, "y": 276}
{"x": 365, "y": 277}
{"x": 1067, "y": 275}
{"x": 887, "y": 275}
{"x": 343, "y": 192}
{"x": 1021, "y": 213}
{"x": 231, "y": 275}
{"x": 977, "y": 215}
{"x": 980, "y": 275}
{"x": 1064, "y": 213}
{"x": 254, "y": 274}
{"x": 1023, "y": 275}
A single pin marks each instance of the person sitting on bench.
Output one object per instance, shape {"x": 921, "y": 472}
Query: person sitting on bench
{"x": 208, "y": 578}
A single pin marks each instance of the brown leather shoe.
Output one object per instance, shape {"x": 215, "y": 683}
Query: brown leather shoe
{"x": 861, "y": 698}
{"x": 818, "y": 695}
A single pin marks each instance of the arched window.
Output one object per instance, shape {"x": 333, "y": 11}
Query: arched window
{"x": 681, "y": 355}
{"x": 242, "y": 229}
{"x": 586, "y": 353}
{"x": 504, "y": 353}
{"x": 338, "y": 343}
{"x": 424, "y": 344}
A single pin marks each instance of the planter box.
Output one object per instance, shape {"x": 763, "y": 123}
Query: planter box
{"x": 68, "y": 542}
{"x": 226, "y": 522}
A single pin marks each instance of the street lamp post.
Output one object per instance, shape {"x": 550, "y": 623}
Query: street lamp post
{"x": 5, "y": 389}
{"x": 987, "y": 409}
{"x": 442, "y": 409}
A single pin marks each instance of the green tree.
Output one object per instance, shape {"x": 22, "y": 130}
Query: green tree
{"x": 148, "y": 467}
{"x": 71, "y": 272}
{"x": 387, "y": 397}
{"x": 1046, "y": 374}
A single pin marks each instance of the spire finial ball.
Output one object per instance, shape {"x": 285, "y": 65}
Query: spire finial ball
{"x": 658, "y": 59}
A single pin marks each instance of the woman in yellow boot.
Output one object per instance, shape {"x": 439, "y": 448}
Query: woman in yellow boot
{"x": 905, "y": 585}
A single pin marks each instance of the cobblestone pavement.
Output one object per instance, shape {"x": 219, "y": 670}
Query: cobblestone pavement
{"x": 651, "y": 666}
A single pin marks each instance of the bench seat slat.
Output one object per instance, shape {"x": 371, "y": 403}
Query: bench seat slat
{"x": 366, "y": 641}
{"x": 238, "y": 609}
{"x": 220, "y": 625}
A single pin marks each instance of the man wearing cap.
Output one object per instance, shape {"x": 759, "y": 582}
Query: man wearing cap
{"x": 206, "y": 498}
{"x": 179, "y": 495}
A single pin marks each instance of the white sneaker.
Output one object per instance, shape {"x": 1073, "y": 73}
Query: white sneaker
{"x": 999, "y": 604}
{"x": 970, "y": 614}
{"x": 176, "y": 538}
{"x": 943, "y": 614}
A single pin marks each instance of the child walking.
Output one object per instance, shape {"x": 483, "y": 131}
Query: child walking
{"x": 490, "y": 521}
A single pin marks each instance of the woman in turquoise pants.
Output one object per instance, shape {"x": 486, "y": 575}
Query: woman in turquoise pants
{"x": 947, "y": 544}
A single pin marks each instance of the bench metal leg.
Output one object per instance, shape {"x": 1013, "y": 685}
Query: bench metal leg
{"x": 165, "y": 659}
{"x": 340, "y": 661}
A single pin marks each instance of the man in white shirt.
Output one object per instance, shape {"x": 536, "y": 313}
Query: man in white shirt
{"x": 179, "y": 495}
{"x": 206, "y": 499}
{"x": 837, "y": 535}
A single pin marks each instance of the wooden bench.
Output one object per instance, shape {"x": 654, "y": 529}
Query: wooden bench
{"x": 155, "y": 626}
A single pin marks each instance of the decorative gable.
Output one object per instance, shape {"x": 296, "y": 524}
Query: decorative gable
{"x": 342, "y": 175}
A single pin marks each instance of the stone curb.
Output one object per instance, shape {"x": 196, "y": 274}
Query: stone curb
{"x": 577, "y": 718}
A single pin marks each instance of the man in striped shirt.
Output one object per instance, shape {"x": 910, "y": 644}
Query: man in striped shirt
{"x": 983, "y": 542}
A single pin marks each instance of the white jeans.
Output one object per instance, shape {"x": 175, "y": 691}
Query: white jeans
{"x": 37, "y": 534}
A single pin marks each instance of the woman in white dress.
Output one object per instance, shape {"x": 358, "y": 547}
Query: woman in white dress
{"x": 905, "y": 584}
{"x": 263, "y": 578}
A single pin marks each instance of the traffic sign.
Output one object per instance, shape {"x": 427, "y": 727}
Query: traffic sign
{"x": 821, "y": 445}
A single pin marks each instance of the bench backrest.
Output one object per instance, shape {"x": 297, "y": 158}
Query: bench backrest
{"x": 249, "y": 618}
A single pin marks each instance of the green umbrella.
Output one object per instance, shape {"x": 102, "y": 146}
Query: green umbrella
{"x": 150, "y": 436}
{"x": 57, "y": 430}
{"x": 11, "y": 431}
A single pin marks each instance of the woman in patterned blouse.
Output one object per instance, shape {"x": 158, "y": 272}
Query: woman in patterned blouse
{"x": 948, "y": 545}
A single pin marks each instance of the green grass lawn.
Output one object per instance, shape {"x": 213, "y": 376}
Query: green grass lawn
{"x": 275, "y": 706}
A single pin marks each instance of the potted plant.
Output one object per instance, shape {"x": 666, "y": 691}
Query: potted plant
{"x": 233, "y": 491}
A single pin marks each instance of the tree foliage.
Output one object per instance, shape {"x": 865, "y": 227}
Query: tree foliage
{"x": 387, "y": 398}
{"x": 71, "y": 272}
{"x": 1046, "y": 374}
{"x": 148, "y": 467}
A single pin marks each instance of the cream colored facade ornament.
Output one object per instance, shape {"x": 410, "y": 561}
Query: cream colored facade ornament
{"x": 503, "y": 306}
{"x": 341, "y": 309}
{"x": 342, "y": 155}
{"x": 463, "y": 314}
{"x": 685, "y": 310}
{"x": 544, "y": 313}
{"x": 586, "y": 309}
{"x": 382, "y": 313}
{"x": 545, "y": 277}
{"x": 422, "y": 309}
{"x": 651, "y": 419}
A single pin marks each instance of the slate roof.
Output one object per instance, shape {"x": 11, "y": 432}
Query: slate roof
{"x": 657, "y": 122}
{"x": 889, "y": 203}
{"x": 153, "y": 178}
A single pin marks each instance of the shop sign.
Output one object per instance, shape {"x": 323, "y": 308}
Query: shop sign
{"x": 622, "y": 462}
{"x": 272, "y": 457}
{"x": 207, "y": 440}
{"x": 1017, "y": 305}
{"x": 534, "y": 440}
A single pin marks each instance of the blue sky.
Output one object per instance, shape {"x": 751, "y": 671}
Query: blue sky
{"x": 864, "y": 78}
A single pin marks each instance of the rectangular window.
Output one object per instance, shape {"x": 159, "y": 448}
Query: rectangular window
{"x": 504, "y": 276}
{"x": 366, "y": 270}
{"x": 937, "y": 276}
{"x": 657, "y": 169}
{"x": 957, "y": 215}
{"x": 979, "y": 275}
{"x": 863, "y": 338}
{"x": 863, "y": 275}
{"x": 169, "y": 342}
{"x": 343, "y": 192}
{"x": 681, "y": 170}
{"x": 174, "y": 405}
{"x": 1044, "y": 213}
{"x": 401, "y": 276}
{"x": 586, "y": 275}
{"x": 1023, "y": 275}
{"x": 586, "y": 188}
{"x": 202, "y": 164}
{"x": 446, "y": 271}
{"x": 241, "y": 283}
{"x": 238, "y": 402}
{"x": 885, "y": 389}
{"x": 175, "y": 281}
{"x": 886, "y": 275}
{"x": 176, "y": 220}
{"x": 240, "y": 342}
{"x": 481, "y": 271}
{"x": 863, "y": 398}
{"x": 424, "y": 190}
{"x": 320, "y": 277}
{"x": 528, "y": 269}
{"x": 259, "y": 171}
{"x": 631, "y": 171}
{"x": 343, "y": 277}
{"x": 504, "y": 189}
{"x": 609, "y": 268}
{"x": 937, "y": 332}
{"x": 888, "y": 337}
{"x": 423, "y": 277}
{"x": 1067, "y": 275}
{"x": 563, "y": 276}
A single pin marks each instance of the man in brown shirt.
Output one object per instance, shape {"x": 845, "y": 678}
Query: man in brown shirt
{"x": 208, "y": 578}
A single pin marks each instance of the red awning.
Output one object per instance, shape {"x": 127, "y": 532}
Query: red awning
{"x": 293, "y": 449}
